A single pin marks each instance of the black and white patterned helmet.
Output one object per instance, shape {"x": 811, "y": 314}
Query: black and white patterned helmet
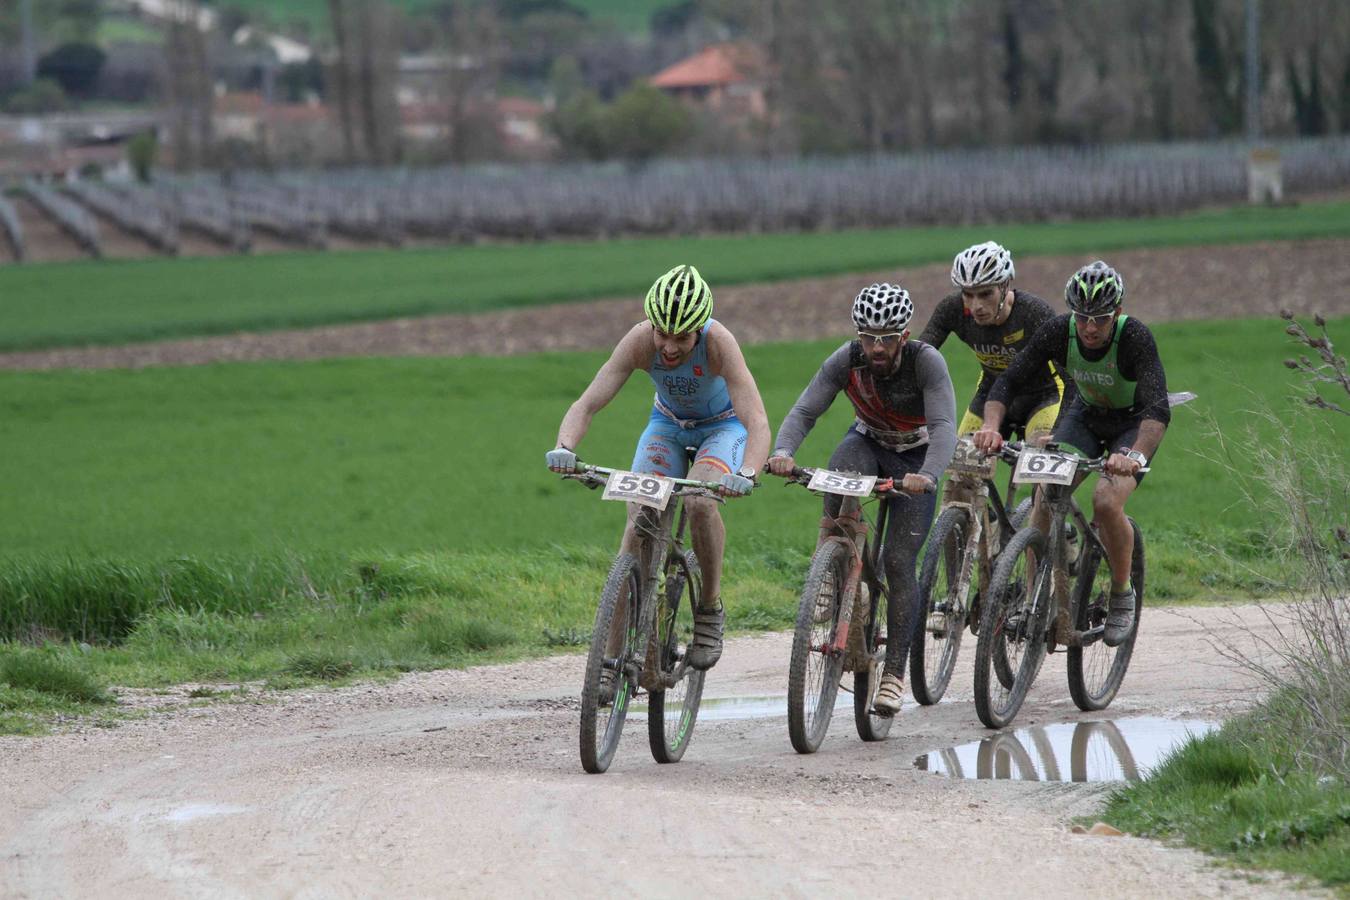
{"x": 1096, "y": 288}
{"x": 882, "y": 307}
{"x": 982, "y": 265}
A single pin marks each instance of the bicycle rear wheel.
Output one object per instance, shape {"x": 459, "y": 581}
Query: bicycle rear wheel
{"x": 1096, "y": 671}
{"x": 932, "y": 653}
{"x": 602, "y": 718}
{"x": 815, "y": 666}
{"x": 1012, "y": 630}
{"x": 867, "y": 680}
{"x": 671, "y": 712}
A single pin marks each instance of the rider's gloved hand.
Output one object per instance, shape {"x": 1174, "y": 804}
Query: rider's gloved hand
{"x": 561, "y": 459}
{"x": 781, "y": 465}
{"x": 735, "y": 485}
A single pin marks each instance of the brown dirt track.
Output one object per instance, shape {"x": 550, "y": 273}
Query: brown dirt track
{"x": 1163, "y": 285}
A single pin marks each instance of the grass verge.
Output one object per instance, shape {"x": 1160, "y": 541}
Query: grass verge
{"x": 1237, "y": 793}
{"x": 112, "y": 302}
{"x": 327, "y": 621}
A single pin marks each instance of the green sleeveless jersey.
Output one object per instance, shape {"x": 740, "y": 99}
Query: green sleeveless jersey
{"x": 1100, "y": 383}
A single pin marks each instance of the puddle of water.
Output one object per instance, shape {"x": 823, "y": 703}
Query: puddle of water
{"x": 715, "y": 709}
{"x": 194, "y": 811}
{"x": 1119, "y": 750}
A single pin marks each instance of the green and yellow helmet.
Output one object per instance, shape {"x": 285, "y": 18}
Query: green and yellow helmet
{"x": 1096, "y": 288}
{"x": 680, "y": 301}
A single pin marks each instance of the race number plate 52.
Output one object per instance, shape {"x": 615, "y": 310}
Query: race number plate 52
{"x": 635, "y": 487}
{"x": 845, "y": 483}
{"x": 1044, "y": 468}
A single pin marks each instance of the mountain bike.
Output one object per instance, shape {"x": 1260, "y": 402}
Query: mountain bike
{"x": 1029, "y": 612}
{"x": 841, "y": 618}
{"x": 958, "y": 562}
{"x": 647, "y": 604}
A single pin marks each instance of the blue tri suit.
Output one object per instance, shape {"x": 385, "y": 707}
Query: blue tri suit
{"x": 692, "y": 409}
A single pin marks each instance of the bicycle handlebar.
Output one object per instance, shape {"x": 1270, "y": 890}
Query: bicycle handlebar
{"x": 595, "y": 476}
{"x": 1012, "y": 449}
{"x": 885, "y": 487}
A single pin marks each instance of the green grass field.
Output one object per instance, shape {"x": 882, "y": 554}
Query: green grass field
{"x": 293, "y": 522}
{"x": 631, "y": 16}
{"x": 110, "y": 302}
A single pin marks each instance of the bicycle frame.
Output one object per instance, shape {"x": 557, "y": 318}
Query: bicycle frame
{"x": 660, "y": 539}
{"x": 1063, "y": 506}
{"x": 853, "y": 531}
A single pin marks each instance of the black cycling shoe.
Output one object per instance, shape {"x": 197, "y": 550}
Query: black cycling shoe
{"x": 706, "y": 647}
{"x": 1120, "y": 619}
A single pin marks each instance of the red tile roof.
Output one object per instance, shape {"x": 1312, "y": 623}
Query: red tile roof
{"x": 718, "y": 64}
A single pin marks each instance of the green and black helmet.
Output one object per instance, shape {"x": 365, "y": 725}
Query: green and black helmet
{"x": 680, "y": 301}
{"x": 1095, "y": 288}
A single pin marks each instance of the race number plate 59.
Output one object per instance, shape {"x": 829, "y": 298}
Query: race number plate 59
{"x": 845, "y": 483}
{"x": 635, "y": 487}
{"x": 1044, "y": 468}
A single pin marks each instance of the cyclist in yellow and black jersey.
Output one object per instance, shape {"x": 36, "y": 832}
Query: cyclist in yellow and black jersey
{"x": 996, "y": 321}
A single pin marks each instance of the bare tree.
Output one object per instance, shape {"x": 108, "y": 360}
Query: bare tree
{"x": 474, "y": 41}
{"x": 365, "y": 73}
{"x": 187, "y": 89}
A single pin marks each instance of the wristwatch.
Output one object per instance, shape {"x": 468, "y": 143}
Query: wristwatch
{"x": 746, "y": 472}
{"x": 1137, "y": 457}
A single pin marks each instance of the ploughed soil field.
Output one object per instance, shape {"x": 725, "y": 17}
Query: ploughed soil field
{"x": 467, "y": 783}
{"x": 1161, "y": 285}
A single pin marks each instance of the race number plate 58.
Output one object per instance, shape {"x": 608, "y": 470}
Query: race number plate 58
{"x": 635, "y": 487}
{"x": 1044, "y": 468}
{"x": 845, "y": 483}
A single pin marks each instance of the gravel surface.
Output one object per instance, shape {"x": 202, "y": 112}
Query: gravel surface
{"x": 1162, "y": 285}
{"x": 468, "y": 783}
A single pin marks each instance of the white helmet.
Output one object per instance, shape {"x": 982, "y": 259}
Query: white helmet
{"x": 982, "y": 265}
{"x": 879, "y": 306}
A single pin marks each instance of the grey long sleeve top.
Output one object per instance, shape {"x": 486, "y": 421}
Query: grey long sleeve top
{"x": 917, "y": 394}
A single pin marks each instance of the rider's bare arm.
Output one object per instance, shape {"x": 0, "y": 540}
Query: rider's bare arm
{"x": 631, "y": 353}
{"x": 726, "y": 359}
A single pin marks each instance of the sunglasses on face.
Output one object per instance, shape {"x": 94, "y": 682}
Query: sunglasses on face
{"x": 885, "y": 340}
{"x": 1095, "y": 321}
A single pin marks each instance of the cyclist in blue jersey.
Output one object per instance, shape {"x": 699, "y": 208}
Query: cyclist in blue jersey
{"x": 705, "y": 398}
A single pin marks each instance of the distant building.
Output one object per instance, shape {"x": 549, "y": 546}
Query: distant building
{"x": 728, "y": 79}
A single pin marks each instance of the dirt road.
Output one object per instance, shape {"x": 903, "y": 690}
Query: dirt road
{"x": 467, "y": 783}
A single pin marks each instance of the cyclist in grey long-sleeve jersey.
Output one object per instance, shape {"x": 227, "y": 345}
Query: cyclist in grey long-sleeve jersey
{"x": 905, "y": 428}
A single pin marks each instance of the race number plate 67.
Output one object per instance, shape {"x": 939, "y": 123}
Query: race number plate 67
{"x": 1044, "y": 468}
{"x": 635, "y": 487}
{"x": 845, "y": 483}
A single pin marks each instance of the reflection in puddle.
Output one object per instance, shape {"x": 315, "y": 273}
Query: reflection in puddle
{"x": 714, "y": 709}
{"x": 1120, "y": 750}
{"x": 194, "y": 811}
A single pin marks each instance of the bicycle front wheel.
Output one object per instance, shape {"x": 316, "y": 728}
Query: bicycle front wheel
{"x": 815, "y": 666}
{"x": 937, "y": 634}
{"x": 604, "y": 697}
{"x": 867, "y": 679}
{"x": 671, "y": 712}
{"x": 1096, "y": 671}
{"x": 1012, "y": 629}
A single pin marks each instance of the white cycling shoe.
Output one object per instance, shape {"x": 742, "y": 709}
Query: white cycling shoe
{"x": 889, "y": 694}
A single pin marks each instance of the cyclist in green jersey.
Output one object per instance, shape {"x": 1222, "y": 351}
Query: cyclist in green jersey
{"x": 1120, "y": 406}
